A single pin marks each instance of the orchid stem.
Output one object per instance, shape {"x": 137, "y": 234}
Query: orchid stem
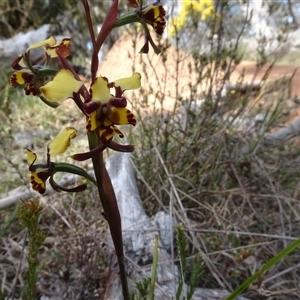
{"x": 110, "y": 207}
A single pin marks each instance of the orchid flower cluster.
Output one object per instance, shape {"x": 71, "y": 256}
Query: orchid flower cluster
{"x": 103, "y": 105}
{"x": 102, "y": 109}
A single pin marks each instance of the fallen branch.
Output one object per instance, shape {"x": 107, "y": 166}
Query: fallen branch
{"x": 11, "y": 48}
{"x": 286, "y": 133}
{"x": 278, "y": 137}
{"x": 25, "y": 192}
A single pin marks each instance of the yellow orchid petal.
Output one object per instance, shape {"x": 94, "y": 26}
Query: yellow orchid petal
{"x": 92, "y": 123}
{"x": 21, "y": 77}
{"x": 50, "y": 41}
{"x": 63, "y": 47}
{"x": 129, "y": 83}
{"x": 31, "y": 157}
{"x": 107, "y": 133}
{"x": 154, "y": 15}
{"x": 37, "y": 183}
{"x": 122, "y": 116}
{"x": 63, "y": 140}
{"x": 61, "y": 87}
{"x": 38, "y": 175}
{"x": 100, "y": 91}
{"x": 22, "y": 62}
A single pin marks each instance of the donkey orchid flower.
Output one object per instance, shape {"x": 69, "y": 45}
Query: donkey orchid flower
{"x": 51, "y": 47}
{"x": 33, "y": 76}
{"x": 22, "y": 76}
{"x": 105, "y": 111}
{"x": 154, "y": 15}
{"x": 41, "y": 172}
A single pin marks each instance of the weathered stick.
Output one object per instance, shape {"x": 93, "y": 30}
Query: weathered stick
{"x": 25, "y": 192}
{"x": 286, "y": 133}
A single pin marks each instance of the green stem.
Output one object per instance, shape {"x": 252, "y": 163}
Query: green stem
{"x": 127, "y": 19}
{"x": 110, "y": 207}
{"x": 154, "y": 268}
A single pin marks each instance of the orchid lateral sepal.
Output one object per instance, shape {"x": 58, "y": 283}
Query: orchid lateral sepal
{"x": 133, "y": 18}
{"x": 111, "y": 144}
{"x": 58, "y": 188}
{"x": 87, "y": 155}
{"x": 18, "y": 63}
{"x": 120, "y": 148}
{"x": 148, "y": 38}
{"x": 69, "y": 168}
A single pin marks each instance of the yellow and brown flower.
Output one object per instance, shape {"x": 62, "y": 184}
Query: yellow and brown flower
{"x": 153, "y": 14}
{"x": 41, "y": 172}
{"x": 32, "y": 75}
{"x": 109, "y": 111}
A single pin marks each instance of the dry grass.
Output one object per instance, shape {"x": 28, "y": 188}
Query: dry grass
{"x": 73, "y": 257}
{"x": 198, "y": 166}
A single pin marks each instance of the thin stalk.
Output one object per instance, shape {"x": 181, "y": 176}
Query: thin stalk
{"x": 110, "y": 207}
{"x": 107, "y": 27}
{"x": 89, "y": 21}
{"x": 154, "y": 269}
